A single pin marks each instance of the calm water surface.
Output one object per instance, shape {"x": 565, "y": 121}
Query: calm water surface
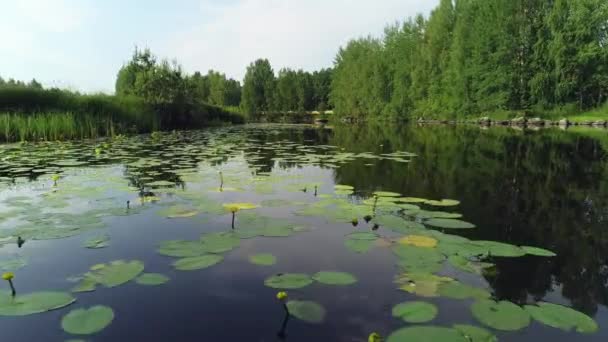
{"x": 546, "y": 189}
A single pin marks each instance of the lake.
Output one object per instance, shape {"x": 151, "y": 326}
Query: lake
{"x": 350, "y": 221}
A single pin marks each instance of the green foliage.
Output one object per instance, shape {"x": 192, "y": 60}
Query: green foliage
{"x": 290, "y": 91}
{"x": 471, "y": 57}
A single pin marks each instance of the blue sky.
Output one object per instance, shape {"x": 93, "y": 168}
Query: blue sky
{"x": 81, "y": 44}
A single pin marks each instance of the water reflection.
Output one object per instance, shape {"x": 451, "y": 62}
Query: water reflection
{"x": 546, "y": 188}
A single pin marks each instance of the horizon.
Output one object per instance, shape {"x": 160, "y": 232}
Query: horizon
{"x": 81, "y": 45}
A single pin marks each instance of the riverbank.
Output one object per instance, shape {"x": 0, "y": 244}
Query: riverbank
{"x": 28, "y": 114}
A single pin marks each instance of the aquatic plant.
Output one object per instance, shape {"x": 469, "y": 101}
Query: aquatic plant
{"x": 9, "y": 276}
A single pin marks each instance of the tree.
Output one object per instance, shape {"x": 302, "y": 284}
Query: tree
{"x": 258, "y": 87}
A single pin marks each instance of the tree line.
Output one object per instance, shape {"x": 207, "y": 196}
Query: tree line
{"x": 479, "y": 56}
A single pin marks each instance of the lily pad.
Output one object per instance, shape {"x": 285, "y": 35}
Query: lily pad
{"x": 386, "y": 194}
{"x": 362, "y": 236}
{"x": 418, "y": 241}
{"x": 426, "y": 334}
{"x": 178, "y": 211}
{"x": 96, "y": 242}
{"x": 412, "y": 200}
{"x": 152, "y": 279}
{"x": 422, "y": 284}
{"x": 501, "y": 315}
{"x": 288, "y": 281}
{"x": 458, "y": 290}
{"x": 87, "y": 321}
{"x": 197, "y": 262}
{"x": 561, "y": 317}
{"x": 307, "y": 311}
{"x": 415, "y": 312}
{"x": 475, "y": 334}
{"x": 343, "y": 187}
{"x": 264, "y": 259}
{"x": 464, "y": 264}
{"x": 443, "y": 203}
{"x": 449, "y": 223}
{"x": 334, "y": 278}
{"x": 239, "y": 206}
{"x": 500, "y": 249}
{"x": 118, "y": 272}
{"x": 33, "y": 303}
{"x": 538, "y": 251}
{"x": 220, "y": 242}
{"x": 182, "y": 248}
{"x": 359, "y": 246}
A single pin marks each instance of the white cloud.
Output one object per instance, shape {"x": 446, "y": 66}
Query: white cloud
{"x": 290, "y": 33}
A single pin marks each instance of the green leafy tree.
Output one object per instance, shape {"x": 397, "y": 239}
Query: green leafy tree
{"x": 258, "y": 87}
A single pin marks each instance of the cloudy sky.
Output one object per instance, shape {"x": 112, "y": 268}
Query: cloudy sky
{"x": 81, "y": 44}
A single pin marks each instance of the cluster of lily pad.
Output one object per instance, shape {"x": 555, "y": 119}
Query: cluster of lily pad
{"x": 415, "y": 229}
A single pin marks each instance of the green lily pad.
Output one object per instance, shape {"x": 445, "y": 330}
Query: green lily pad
{"x": 415, "y": 312}
{"x": 362, "y": 236}
{"x": 443, "y": 203}
{"x": 118, "y": 272}
{"x": 100, "y": 241}
{"x": 264, "y": 259}
{"x": 334, "y": 278}
{"x": 87, "y": 321}
{"x": 288, "y": 281}
{"x": 152, "y": 279}
{"x": 475, "y": 334}
{"x": 197, "y": 262}
{"x": 457, "y": 290}
{"x": 343, "y": 187}
{"x": 422, "y": 284}
{"x": 307, "y": 311}
{"x": 182, "y": 248}
{"x": 220, "y": 242}
{"x": 449, "y": 223}
{"x": 386, "y": 194}
{"x": 500, "y": 249}
{"x": 501, "y": 315}
{"x": 464, "y": 264}
{"x": 359, "y": 246}
{"x": 412, "y": 200}
{"x": 538, "y": 251}
{"x": 419, "y": 259}
{"x": 178, "y": 211}
{"x": 561, "y": 317}
{"x": 426, "y": 334}
{"x": 33, "y": 303}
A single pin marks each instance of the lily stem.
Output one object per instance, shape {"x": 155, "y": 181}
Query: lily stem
{"x": 233, "y": 215}
{"x": 10, "y": 282}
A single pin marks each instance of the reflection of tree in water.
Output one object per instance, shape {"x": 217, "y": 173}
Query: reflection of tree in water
{"x": 543, "y": 189}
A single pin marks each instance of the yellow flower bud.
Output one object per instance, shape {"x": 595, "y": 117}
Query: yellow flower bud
{"x": 374, "y": 337}
{"x": 8, "y": 276}
{"x": 282, "y": 295}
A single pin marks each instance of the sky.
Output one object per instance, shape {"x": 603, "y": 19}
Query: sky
{"x": 81, "y": 44}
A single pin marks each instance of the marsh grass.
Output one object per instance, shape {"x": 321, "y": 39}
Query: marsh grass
{"x": 28, "y": 114}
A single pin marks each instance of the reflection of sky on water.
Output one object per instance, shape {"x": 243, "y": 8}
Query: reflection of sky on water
{"x": 229, "y": 301}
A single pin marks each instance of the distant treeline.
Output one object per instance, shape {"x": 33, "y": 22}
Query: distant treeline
{"x": 290, "y": 90}
{"x": 472, "y": 57}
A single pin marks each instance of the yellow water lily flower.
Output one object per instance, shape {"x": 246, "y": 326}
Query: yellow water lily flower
{"x": 374, "y": 337}
{"x": 8, "y": 276}
{"x": 234, "y": 207}
{"x": 282, "y": 295}
{"x": 55, "y": 178}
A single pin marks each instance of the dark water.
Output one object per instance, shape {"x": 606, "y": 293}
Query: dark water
{"x": 545, "y": 189}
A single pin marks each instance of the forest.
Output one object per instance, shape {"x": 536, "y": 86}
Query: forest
{"x": 480, "y": 57}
